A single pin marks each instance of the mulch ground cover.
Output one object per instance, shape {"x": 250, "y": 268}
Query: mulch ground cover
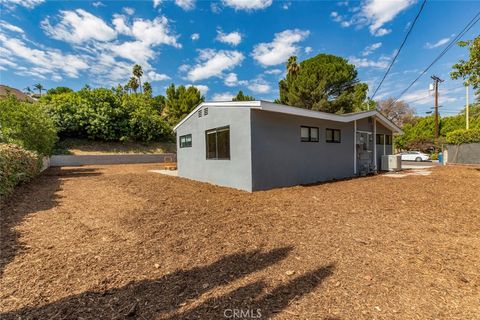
{"x": 119, "y": 242}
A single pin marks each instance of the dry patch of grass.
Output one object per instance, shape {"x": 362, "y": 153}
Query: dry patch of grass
{"x": 117, "y": 242}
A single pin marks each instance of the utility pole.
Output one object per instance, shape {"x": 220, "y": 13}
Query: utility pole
{"x": 466, "y": 110}
{"x": 436, "y": 81}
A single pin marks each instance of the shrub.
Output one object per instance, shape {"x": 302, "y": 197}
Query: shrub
{"x": 27, "y": 125}
{"x": 464, "y": 136}
{"x": 17, "y": 165}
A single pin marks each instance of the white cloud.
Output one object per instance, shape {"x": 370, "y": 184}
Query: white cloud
{"x": 154, "y": 32}
{"x": 231, "y": 79}
{"x": 11, "y": 27}
{"x": 381, "y": 63}
{"x": 212, "y": 63}
{"x": 247, "y": 4}
{"x": 232, "y": 38}
{"x": 98, "y": 4}
{"x": 259, "y": 86}
{"x": 215, "y": 7}
{"x": 374, "y": 14}
{"x": 286, "y": 5}
{"x": 135, "y": 51}
{"x": 29, "y": 4}
{"x": 439, "y": 43}
{"x": 371, "y": 48}
{"x": 224, "y": 96}
{"x": 280, "y": 49}
{"x": 154, "y": 76}
{"x": 185, "y": 4}
{"x": 129, "y": 11}
{"x": 273, "y": 71}
{"x": 202, "y": 88}
{"x": 195, "y": 36}
{"x": 156, "y": 3}
{"x": 46, "y": 60}
{"x": 78, "y": 26}
{"x": 308, "y": 50}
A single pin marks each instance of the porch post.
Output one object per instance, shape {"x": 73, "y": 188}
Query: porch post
{"x": 354, "y": 146}
{"x": 375, "y": 142}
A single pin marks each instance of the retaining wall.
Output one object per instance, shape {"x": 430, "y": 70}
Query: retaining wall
{"x": 79, "y": 160}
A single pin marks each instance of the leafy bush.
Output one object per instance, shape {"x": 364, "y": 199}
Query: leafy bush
{"x": 464, "y": 136}
{"x": 17, "y": 165}
{"x": 108, "y": 115}
{"x": 27, "y": 125}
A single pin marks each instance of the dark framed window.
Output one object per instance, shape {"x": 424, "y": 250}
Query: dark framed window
{"x": 218, "y": 143}
{"x": 388, "y": 139}
{"x": 185, "y": 141}
{"x": 308, "y": 134}
{"x": 333, "y": 136}
{"x": 380, "y": 138}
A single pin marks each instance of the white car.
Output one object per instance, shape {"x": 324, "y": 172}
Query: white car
{"x": 414, "y": 156}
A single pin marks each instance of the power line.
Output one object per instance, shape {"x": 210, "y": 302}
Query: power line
{"x": 400, "y": 48}
{"x": 469, "y": 25}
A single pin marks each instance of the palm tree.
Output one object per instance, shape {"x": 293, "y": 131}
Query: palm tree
{"x": 40, "y": 88}
{"x": 147, "y": 88}
{"x": 28, "y": 90}
{"x": 133, "y": 84}
{"x": 292, "y": 66}
{"x": 138, "y": 72}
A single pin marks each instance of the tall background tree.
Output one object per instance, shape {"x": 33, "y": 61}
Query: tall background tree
{"x": 180, "y": 101}
{"x": 39, "y": 87}
{"x": 324, "y": 83}
{"x": 469, "y": 70}
{"x": 242, "y": 97}
{"x": 397, "y": 111}
{"x": 138, "y": 73}
{"x": 147, "y": 88}
{"x": 133, "y": 84}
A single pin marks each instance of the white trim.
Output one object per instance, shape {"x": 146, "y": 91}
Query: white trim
{"x": 375, "y": 142}
{"x": 354, "y": 147}
{"x": 274, "y": 107}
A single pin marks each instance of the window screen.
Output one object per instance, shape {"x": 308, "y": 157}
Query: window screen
{"x": 218, "y": 143}
{"x": 388, "y": 139}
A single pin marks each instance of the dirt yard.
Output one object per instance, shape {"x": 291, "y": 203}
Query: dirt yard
{"x": 119, "y": 242}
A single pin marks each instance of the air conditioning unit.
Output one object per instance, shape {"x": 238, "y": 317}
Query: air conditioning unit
{"x": 391, "y": 163}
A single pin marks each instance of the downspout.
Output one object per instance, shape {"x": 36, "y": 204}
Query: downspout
{"x": 375, "y": 143}
{"x": 354, "y": 147}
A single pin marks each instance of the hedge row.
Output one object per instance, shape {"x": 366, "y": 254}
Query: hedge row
{"x": 464, "y": 136}
{"x": 17, "y": 165}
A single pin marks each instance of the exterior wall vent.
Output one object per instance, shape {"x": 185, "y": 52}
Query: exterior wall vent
{"x": 200, "y": 113}
{"x": 205, "y": 111}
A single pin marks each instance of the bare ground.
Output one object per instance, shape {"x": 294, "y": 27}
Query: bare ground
{"x": 118, "y": 242}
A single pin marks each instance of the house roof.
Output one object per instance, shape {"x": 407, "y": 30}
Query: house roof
{"x": 275, "y": 107}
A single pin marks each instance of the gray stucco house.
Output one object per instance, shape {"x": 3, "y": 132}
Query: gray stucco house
{"x": 259, "y": 145}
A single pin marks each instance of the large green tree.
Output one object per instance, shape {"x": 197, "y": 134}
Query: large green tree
{"x": 180, "y": 101}
{"x": 242, "y": 97}
{"x": 469, "y": 70}
{"x": 324, "y": 83}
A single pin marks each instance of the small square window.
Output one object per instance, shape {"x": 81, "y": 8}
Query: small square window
{"x": 333, "y": 136}
{"x": 308, "y": 134}
{"x": 185, "y": 141}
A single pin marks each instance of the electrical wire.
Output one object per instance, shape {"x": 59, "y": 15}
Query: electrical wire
{"x": 400, "y": 48}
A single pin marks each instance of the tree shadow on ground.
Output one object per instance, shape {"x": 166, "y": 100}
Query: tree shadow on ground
{"x": 166, "y": 297}
{"x": 37, "y": 195}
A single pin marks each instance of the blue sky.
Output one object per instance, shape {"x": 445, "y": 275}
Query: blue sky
{"x": 225, "y": 46}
